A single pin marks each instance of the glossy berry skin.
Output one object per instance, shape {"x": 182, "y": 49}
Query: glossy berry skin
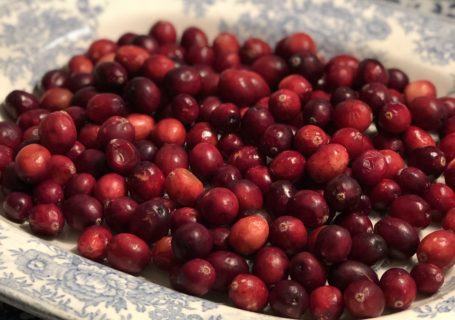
{"x": 248, "y": 194}
{"x": 170, "y": 131}
{"x": 249, "y": 234}
{"x": 289, "y": 234}
{"x": 115, "y": 128}
{"x": 121, "y": 156}
{"x": 32, "y": 163}
{"x": 278, "y": 196}
{"x": 109, "y": 187}
{"x": 333, "y": 244}
{"x": 317, "y": 112}
{"x": 428, "y": 277}
{"x": 191, "y": 240}
{"x": 288, "y": 299}
{"x": 271, "y": 265}
{"x": 248, "y": 292}
{"x": 118, "y": 213}
{"x": 352, "y": 139}
{"x": 46, "y": 220}
{"x": 104, "y": 105}
{"x": 48, "y": 192}
{"x": 287, "y": 165}
{"x": 183, "y": 187}
{"x": 275, "y": 138}
{"x": 413, "y": 209}
{"x": 402, "y": 239}
{"x": 399, "y": 288}
{"x": 431, "y": 160}
{"x": 413, "y": 181}
{"x": 128, "y": 253}
{"x": 368, "y": 248}
{"x": 227, "y": 266}
{"x": 205, "y": 159}
{"x": 441, "y": 198}
{"x": 326, "y": 303}
{"x": 245, "y": 158}
{"x": 16, "y": 206}
{"x": 218, "y": 206}
{"x": 80, "y": 183}
{"x": 438, "y": 248}
{"x": 309, "y": 138}
{"x": 354, "y": 114}
{"x": 18, "y": 101}
{"x": 427, "y": 113}
{"x": 364, "y": 299}
{"x": 146, "y": 181}
{"x": 371, "y": 70}
{"x": 260, "y": 176}
{"x": 307, "y": 270}
{"x": 394, "y": 118}
{"x": 81, "y": 211}
{"x": 375, "y": 95}
{"x": 10, "y": 134}
{"x": 284, "y": 105}
{"x": 416, "y": 137}
{"x": 170, "y": 157}
{"x": 369, "y": 168}
{"x": 342, "y": 192}
{"x": 310, "y": 207}
{"x": 196, "y": 277}
{"x": 382, "y": 194}
{"x": 327, "y": 162}
{"x": 349, "y": 271}
{"x": 225, "y": 174}
{"x": 355, "y": 222}
{"x": 93, "y": 242}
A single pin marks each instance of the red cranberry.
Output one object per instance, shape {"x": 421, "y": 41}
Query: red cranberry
{"x": 349, "y": 271}
{"x": 369, "y": 168}
{"x": 371, "y": 70}
{"x": 413, "y": 181}
{"x": 394, "y": 117}
{"x": 83, "y": 96}
{"x": 78, "y": 114}
{"x": 306, "y": 64}
{"x": 399, "y": 288}
{"x": 78, "y": 81}
{"x": 196, "y": 277}
{"x": 183, "y": 187}
{"x": 415, "y": 138}
{"x": 449, "y": 126}
{"x": 82, "y": 183}
{"x": 355, "y": 223}
{"x": 449, "y": 176}
{"x": 364, "y": 299}
{"x": 438, "y": 248}
{"x": 427, "y": 113}
{"x": 170, "y": 157}
{"x": 191, "y": 240}
{"x": 201, "y": 132}
{"x": 271, "y": 67}
{"x": 151, "y": 220}
{"x": 385, "y": 141}
{"x": 121, "y": 156}
{"x": 352, "y": 113}
{"x": 31, "y": 118}
{"x": 260, "y": 176}
{"x": 193, "y": 36}
{"x": 185, "y": 108}
{"x": 246, "y": 158}
{"x": 146, "y": 181}
{"x": 225, "y": 175}
{"x": 115, "y": 127}
{"x": 368, "y": 248}
{"x": 341, "y": 94}
{"x": 289, "y": 234}
{"x": 110, "y": 76}
{"x": 419, "y": 88}
{"x": 205, "y": 159}
{"x": 10, "y": 180}
{"x": 297, "y": 84}
{"x": 340, "y": 76}
{"x": 352, "y": 139}
{"x": 126, "y": 252}
{"x": 182, "y": 216}
{"x": 297, "y": 42}
{"x": 327, "y": 162}
{"x": 449, "y": 103}
{"x": 218, "y": 206}
{"x": 248, "y": 194}
{"x": 310, "y": 207}
{"x": 270, "y": 265}
{"x": 169, "y": 131}
{"x": 109, "y": 187}
{"x": 46, "y": 220}
{"x": 398, "y": 80}
{"x": 284, "y": 105}
{"x": 394, "y": 163}
{"x": 226, "y": 117}
{"x": 428, "y": 277}
{"x": 248, "y": 292}
{"x": 309, "y": 138}
{"x": 48, "y": 192}
{"x": 447, "y": 146}
{"x": 100, "y": 48}
{"x": 10, "y": 134}
{"x": 6, "y": 156}
{"x": 162, "y": 255}
{"x": 156, "y": 67}
{"x": 255, "y": 122}
{"x": 105, "y": 105}
{"x": 183, "y": 80}
{"x": 287, "y": 165}
{"x": 249, "y": 234}
{"x": 382, "y": 194}
{"x": 16, "y": 206}
{"x": 88, "y": 136}
{"x": 118, "y": 213}
{"x": 227, "y": 266}
{"x": 173, "y": 51}
{"x": 56, "y": 99}
{"x": 342, "y": 193}
{"x": 401, "y": 238}
{"x": 142, "y": 94}
{"x": 131, "y": 57}
{"x": 32, "y": 163}
{"x": 252, "y": 49}
{"x": 82, "y": 210}
{"x": 333, "y": 244}
{"x": 278, "y": 196}
{"x": 200, "y": 55}
{"x": 163, "y": 32}
{"x": 93, "y": 242}
{"x": 413, "y": 209}
{"x": 275, "y": 138}
{"x": 288, "y": 299}
{"x": 441, "y": 198}
{"x": 18, "y": 102}
{"x": 326, "y": 302}
{"x": 80, "y": 64}
{"x": 230, "y": 143}
{"x": 226, "y": 42}
{"x": 307, "y": 270}
{"x": 375, "y": 95}
{"x": 226, "y": 60}
{"x": 220, "y": 237}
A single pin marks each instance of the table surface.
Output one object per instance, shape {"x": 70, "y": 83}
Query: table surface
{"x": 441, "y": 7}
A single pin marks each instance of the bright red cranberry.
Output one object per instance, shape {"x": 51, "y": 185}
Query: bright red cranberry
{"x": 413, "y": 209}
{"x": 109, "y": 187}
{"x": 349, "y": 271}
{"x": 249, "y": 234}
{"x": 246, "y": 158}
{"x": 118, "y": 213}
{"x": 352, "y": 139}
{"x": 288, "y": 299}
{"x": 395, "y": 163}
{"x": 355, "y": 223}
{"x": 146, "y": 181}
{"x": 182, "y": 216}
{"x": 226, "y": 60}
{"x": 162, "y": 255}
{"x": 248, "y": 194}
{"x": 342, "y": 193}
{"x": 327, "y": 162}
{"x": 183, "y": 187}
{"x": 226, "y": 42}
{"x": 289, "y": 234}
{"x": 375, "y": 95}
{"x": 18, "y": 102}
{"x": 183, "y": 80}
{"x": 260, "y": 176}
{"x": 394, "y": 117}
{"x": 441, "y": 198}
{"x": 278, "y": 196}
{"x": 220, "y": 237}
{"x": 48, "y": 191}
{"x": 80, "y": 64}
{"x": 415, "y": 138}
{"x": 371, "y": 70}
{"x": 170, "y": 157}
{"x": 121, "y": 156}
{"x": 230, "y": 143}
{"x": 32, "y": 163}
{"x": 100, "y": 48}
{"x": 398, "y": 80}
{"x": 419, "y": 88}
{"x": 368, "y": 248}
{"x": 151, "y": 220}
{"x": 81, "y": 183}
{"x": 143, "y": 125}
{"x": 205, "y": 159}
{"x": 287, "y": 165}
{"x": 309, "y": 138}
{"x": 218, "y": 206}
{"x": 78, "y": 114}
{"x": 88, "y": 136}
{"x": 164, "y": 32}
{"x": 196, "y": 277}
{"x": 399, "y": 288}
{"x": 10, "y": 134}
{"x": 169, "y": 131}
{"x": 201, "y": 132}
{"x": 352, "y": 113}
{"x": 126, "y": 252}
{"x": 333, "y": 244}
{"x": 275, "y": 138}
{"x": 200, "y": 55}
{"x": 284, "y": 105}
{"x": 310, "y": 207}
{"x": 438, "y": 248}
{"x": 16, "y": 206}
{"x": 297, "y": 84}
{"x": 270, "y": 265}
{"x": 93, "y": 242}
{"x": 191, "y": 240}
{"x": 326, "y": 303}
{"x": 156, "y": 67}
{"x": 307, "y": 270}
{"x": 401, "y": 238}
{"x": 340, "y": 76}
{"x": 46, "y": 220}
{"x": 115, "y": 127}
{"x": 225, "y": 175}
{"x": 252, "y": 49}
{"x": 248, "y": 292}
{"x": 105, "y": 105}
{"x": 193, "y": 36}
{"x": 31, "y": 118}
{"x": 364, "y": 299}
{"x": 382, "y": 194}
{"x": 297, "y": 42}
{"x": 227, "y": 266}
{"x": 427, "y": 113}
{"x": 370, "y": 167}
{"x": 428, "y": 277}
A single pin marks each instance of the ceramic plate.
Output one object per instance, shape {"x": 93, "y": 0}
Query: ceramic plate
{"x": 47, "y": 278}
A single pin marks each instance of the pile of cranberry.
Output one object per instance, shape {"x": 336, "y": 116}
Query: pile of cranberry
{"x": 240, "y": 168}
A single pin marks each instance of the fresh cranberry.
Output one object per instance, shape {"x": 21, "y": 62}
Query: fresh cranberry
{"x": 225, "y": 175}
{"x": 16, "y": 206}
{"x": 284, "y": 105}
{"x": 395, "y": 163}
{"x": 419, "y": 88}
{"x": 248, "y": 194}
{"x": 394, "y": 118}
{"x": 32, "y": 163}
{"x": 10, "y": 134}
{"x": 368, "y": 248}
{"x": 371, "y": 70}
{"x": 287, "y": 165}
{"x": 401, "y": 238}
{"x": 398, "y": 80}
{"x": 146, "y": 181}
{"x": 6, "y": 156}
{"x": 327, "y": 162}
{"x": 245, "y": 158}
{"x": 438, "y": 248}
{"x": 427, "y": 113}
{"x": 349, "y": 271}
{"x": 115, "y": 127}
{"x": 205, "y": 159}
{"x": 352, "y": 113}
{"x": 162, "y": 255}
{"x": 109, "y": 187}
{"x": 56, "y": 99}
{"x": 88, "y": 136}
{"x": 306, "y": 64}
{"x": 355, "y": 223}
{"x": 375, "y": 95}
{"x": 352, "y": 139}
{"x": 271, "y": 265}
{"x": 289, "y": 234}
{"x": 118, "y": 213}
{"x": 83, "y": 96}
{"x": 197, "y": 55}
{"x": 156, "y": 67}
{"x": 415, "y": 138}
{"x": 413, "y": 209}
{"x": 441, "y": 198}
{"x": 382, "y": 194}
{"x": 278, "y": 196}
{"x": 288, "y": 299}
{"x": 81, "y": 183}
{"x": 169, "y": 131}
{"x": 271, "y": 67}
{"x": 326, "y": 302}
{"x": 18, "y": 102}
{"x": 413, "y": 181}
{"x": 252, "y": 49}
{"x": 275, "y": 138}
{"x": 342, "y": 192}
{"x": 142, "y": 94}
{"x": 201, "y": 132}
{"x": 46, "y": 220}
{"x": 170, "y": 157}
{"x": 227, "y": 266}
{"x": 220, "y": 237}
{"x": 310, "y": 207}
{"x": 428, "y": 277}
{"x": 399, "y": 288}
{"x": 93, "y": 242}
{"x": 333, "y": 244}
{"x": 104, "y": 105}
{"x": 191, "y": 240}
{"x": 297, "y": 84}
{"x": 126, "y": 252}
{"x": 249, "y": 234}
{"x": 163, "y": 32}
{"x": 230, "y": 143}
{"x": 218, "y": 206}
{"x": 182, "y": 216}
{"x": 370, "y": 167}
{"x": 384, "y": 141}
{"x": 82, "y": 210}
{"x": 309, "y": 138}
{"x": 185, "y": 108}
{"x": 78, "y": 114}
{"x": 340, "y": 76}
{"x": 364, "y": 299}
{"x": 307, "y": 270}
{"x": 183, "y": 187}
{"x": 260, "y": 176}
{"x": 183, "y": 80}
{"x": 193, "y": 36}
{"x": 48, "y": 191}
{"x": 248, "y": 292}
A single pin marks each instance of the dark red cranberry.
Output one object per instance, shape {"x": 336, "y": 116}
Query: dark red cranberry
{"x": 105, "y": 105}
{"x": 173, "y": 51}
{"x": 427, "y": 113}
{"x": 441, "y": 198}
{"x": 115, "y": 127}
{"x": 226, "y": 117}
{"x": 230, "y": 143}
{"x": 142, "y": 95}
{"x": 287, "y": 165}
{"x": 226, "y": 60}
{"x": 78, "y": 114}
{"x": 370, "y": 167}
{"x": 193, "y": 36}
{"x": 10, "y": 180}
{"x": 82, "y": 96}
{"x": 260, "y": 176}
{"x": 197, "y": 55}
{"x": 88, "y": 136}
{"x": 245, "y": 158}
{"x": 431, "y": 160}
{"x": 307, "y": 270}
{"x": 118, "y": 213}
{"x": 16, "y": 206}
{"x": 271, "y": 67}
{"x": 18, "y": 102}
{"x": 146, "y": 181}
{"x": 284, "y": 105}
{"x": 225, "y": 174}
{"x": 82, "y": 210}
{"x": 399, "y": 288}
{"x": 109, "y": 187}
{"x": 91, "y": 161}
{"x": 398, "y": 80}
{"x": 254, "y": 123}
{"x": 6, "y": 156}
{"x": 382, "y": 194}
{"x": 413, "y": 209}
{"x": 355, "y": 223}
{"x": 201, "y": 132}
{"x": 270, "y": 265}
{"x": 183, "y": 80}
{"x": 156, "y": 67}
{"x": 182, "y": 216}
{"x": 364, "y": 299}
{"x": 57, "y": 132}
{"x": 54, "y": 78}
{"x": 438, "y": 247}
{"x": 386, "y": 141}
{"x": 121, "y": 156}
{"x": 288, "y": 233}
{"x": 342, "y": 193}
{"x": 340, "y": 76}
{"x": 170, "y": 157}
{"x": 449, "y": 103}
{"x": 449, "y": 176}
{"x": 333, "y": 244}
{"x": 288, "y": 299}
{"x": 326, "y": 302}
{"x": 151, "y": 220}
{"x": 31, "y": 118}
{"x": 327, "y": 162}
{"x": 93, "y": 242}
{"x": 110, "y": 76}
{"x": 401, "y": 238}
{"x": 248, "y": 194}
{"x": 185, "y": 108}
{"x": 371, "y": 70}
{"x": 447, "y": 146}
{"x": 280, "y": 193}
{"x": 248, "y": 292}
{"x": 306, "y": 64}
{"x": 317, "y": 112}
{"x": 46, "y": 220}
{"x": 145, "y": 42}
{"x": 368, "y": 248}
{"x": 218, "y": 206}
{"x": 220, "y": 236}
{"x": 191, "y": 240}
{"x": 77, "y": 81}
{"x": 413, "y": 181}
{"x": 310, "y": 207}
{"x": 205, "y": 159}
{"x": 132, "y": 57}
{"x": 48, "y": 192}
{"x": 126, "y": 252}
{"x": 374, "y": 94}
{"x": 449, "y": 126}
{"x": 349, "y": 271}
{"x": 227, "y": 266}
{"x": 82, "y": 183}
{"x": 342, "y": 94}
{"x": 32, "y": 163}
{"x": 428, "y": 277}
{"x": 275, "y": 138}
{"x": 297, "y": 42}
{"x": 10, "y": 134}
{"x": 252, "y": 49}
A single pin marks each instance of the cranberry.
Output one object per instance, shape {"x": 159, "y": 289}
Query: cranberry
{"x": 142, "y": 124}
{"x": 169, "y": 131}
{"x": 275, "y": 138}
{"x": 170, "y": 157}
{"x": 197, "y": 277}
{"x": 32, "y": 163}
{"x": 93, "y": 242}
{"x": 327, "y": 162}
{"x": 6, "y": 156}
{"x": 183, "y": 80}
{"x": 340, "y": 76}
{"x": 249, "y": 234}
{"x": 227, "y": 266}
{"x": 326, "y": 302}
{"x": 289, "y": 234}
{"x": 342, "y": 192}
{"x": 401, "y": 238}
{"x": 246, "y": 158}
{"x": 413, "y": 209}
{"x": 430, "y": 160}
{"x": 205, "y": 159}
{"x": 370, "y": 167}
{"x": 288, "y": 299}
{"x": 368, "y": 248}
{"x": 115, "y": 127}
{"x": 226, "y": 117}
{"x": 449, "y": 103}
{"x": 163, "y": 32}
{"x": 183, "y": 187}
{"x": 413, "y": 181}
{"x": 248, "y": 194}
{"x": 156, "y": 67}
{"x": 80, "y": 64}
{"x": 185, "y": 108}
{"x": 352, "y": 139}
{"x": 220, "y": 237}
{"x": 82, "y": 210}
{"x": 255, "y": 122}
{"x": 48, "y": 192}
{"x": 399, "y": 288}
{"x": 126, "y": 252}
{"x": 182, "y": 216}
{"x": 118, "y": 213}
{"x": 83, "y": 96}
{"x": 146, "y": 181}
{"x": 104, "y": 105}
{"x": 364, "y": 299}
{"x": 394, "y": 163}
{"x": 225, "y": 175}
{"x": 297, "y": 84}
{"x": 193, "y": 36}
{"x": 438, "y": 248}
{"x": 382, "y": 194}
{"x": 16, "y": 206}
{"x": 349, "y": 271}
{"x": 10, "y": 134}
{"x": 110, "y": 76}
{"x": 310, "y": 207}
{"x": 333, "y": 244}
{"x": 447, "y": 146}
{"x": 18, "y": 102}
{"x": 201, "y": 132}
{"x": 441, "y": 198}
{"x": 355, "y": 223}
{"x": 278, "y": 196}
{"x": 388, "y": 142}
{"x": 81, "y": 183}
{"x": 162, "y": 255}
{"x": 428, "y": 277}
{"x": 230, "y": 143}
{"x": 142, "y": 94}
{"x": 152, "y": 219}
{"x": 419, "y": 88}
{"x": 307, "y": 270}
{"x": 306, "y": 64}
{"x": 449, "y": 176}
{"x": 200, "y": 55}
{"x": 191, "y": 240}
{"x": 394, "y": 117}
{"x": 78, "y": 114}
{"x": 375, "y": 94}
{"x": 398, "y": 80}
{"x": 271, "y": 67}
{"x": 341, "y": 94}
{"x": 309, "y": 138}
{"x": 352, "y": 113}
{"x": 109, "y": 187}
{"x": 371, "y": 70}
{"x": 260, "y": 176}
{"x": 427, "y": 113}
{"x": 415, "y": 138}
{"x": 248, "y": 292}
{"x": 284, "y": 105}
{"x": 270, "y": 265}
{"x": 46, "y": 220}
{"x": 252, "y": 49}
{"x": 449, "y": 126}
{"x": 121, "y": 156}
{"x": 56, "y": 99}
{"x": 88, "y": 136}
{"x": 287, "y": 165}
